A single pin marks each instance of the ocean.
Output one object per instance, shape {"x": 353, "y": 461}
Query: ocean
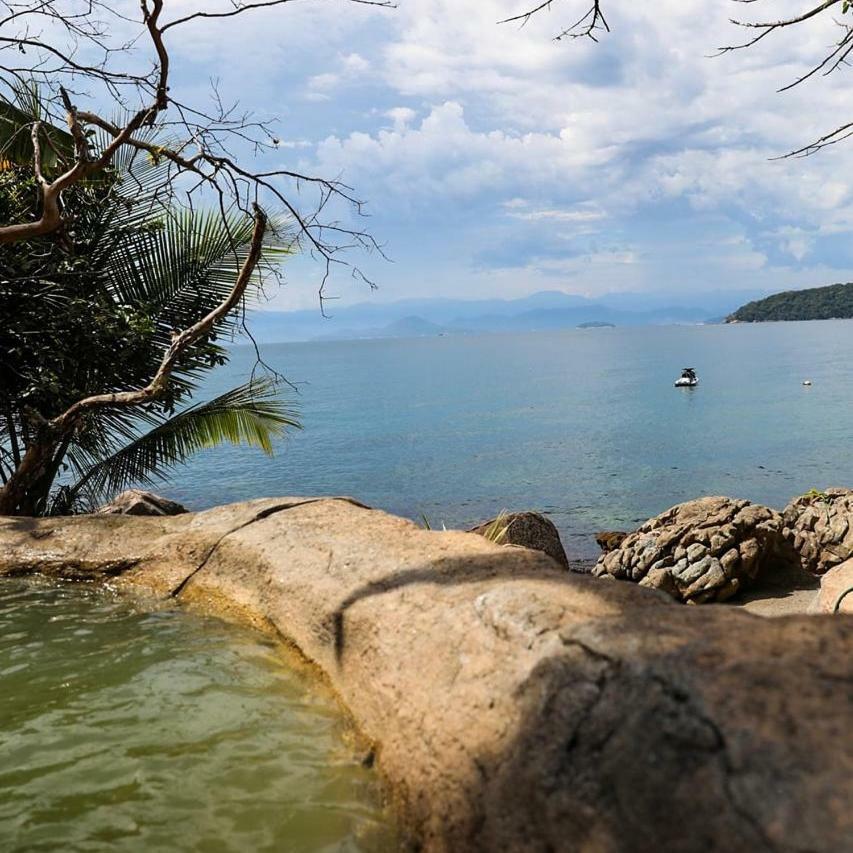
{"x": 582, "y": 425}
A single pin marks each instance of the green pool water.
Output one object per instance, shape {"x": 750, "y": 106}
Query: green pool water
{"x": 123, "y": 728}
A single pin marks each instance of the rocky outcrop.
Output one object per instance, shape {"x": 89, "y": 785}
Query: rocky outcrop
{"x": 836, "y": 590}
{"x": 610, "y": 540}
{"x": 527, "y": 530}
{"x": 514, "y": 705}
{"x": 138, "y": 502}
{"x": 819, "y": 527}
{"x": 700, "y": 551}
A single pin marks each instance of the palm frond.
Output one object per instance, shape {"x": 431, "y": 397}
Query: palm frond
{"x": 250, "y": 414}
{"x": 16, "y": 117}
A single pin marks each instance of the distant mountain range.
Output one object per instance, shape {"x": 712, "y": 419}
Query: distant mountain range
{"x": 816, "y": 303}
{"x": 540, "y": 311}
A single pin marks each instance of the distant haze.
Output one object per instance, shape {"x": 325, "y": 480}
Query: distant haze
{"x": 543, "y": 310}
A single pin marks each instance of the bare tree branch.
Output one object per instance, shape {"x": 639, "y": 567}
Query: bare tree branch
{"x": 593, "y": 23}
{"x": 198, "y": 141}
{"x": 588, "y": 26}
{"x": 180, "y": 344}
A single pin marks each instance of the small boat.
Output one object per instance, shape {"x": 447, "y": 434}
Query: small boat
{"x": 688, "y": 379}
{"x": 807, "y": 382}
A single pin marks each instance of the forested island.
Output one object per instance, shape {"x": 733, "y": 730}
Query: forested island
{"x": 817, "y": 303}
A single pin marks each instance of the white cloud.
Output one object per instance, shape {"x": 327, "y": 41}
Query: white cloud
{"x": 355, "y": 63}
{"x": 444, "y": 156}
{"x": 578, "y": 214}
{"x": 445, "y": 119}
{"x": 796, "y": 242}
{"x": 401, "y": 117}
{"x": 324, "y": 82}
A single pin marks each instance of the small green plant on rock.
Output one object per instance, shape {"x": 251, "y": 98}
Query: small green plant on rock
{"x": 496, "y": 531}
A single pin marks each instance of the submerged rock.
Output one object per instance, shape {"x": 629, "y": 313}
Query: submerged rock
{"x": 139, "y": 502}
{"x": 819, "y": 527}
{"x": 700, "y": 551}
{"x": 514, "y": 705}
{"x": 527, "y": 529}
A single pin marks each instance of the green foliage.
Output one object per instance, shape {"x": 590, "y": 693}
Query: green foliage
{"x": 251, "y": 414}
{"x": 16, "y": 118}
{"x": 92, "y": 308}
{"x": 819, "y": 303}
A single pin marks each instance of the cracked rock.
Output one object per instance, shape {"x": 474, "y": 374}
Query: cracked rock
{"x": 700, "y": 551}
{"x": 819, "y": 527}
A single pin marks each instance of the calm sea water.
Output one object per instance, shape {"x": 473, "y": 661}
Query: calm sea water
{"x": 584, "y": 425}
{"x": 129, "y": 730}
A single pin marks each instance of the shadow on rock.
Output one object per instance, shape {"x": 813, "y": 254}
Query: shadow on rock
{"x": 692, "y": 743}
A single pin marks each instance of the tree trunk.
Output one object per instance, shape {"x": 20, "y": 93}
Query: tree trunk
{"x": 25, "y": 489}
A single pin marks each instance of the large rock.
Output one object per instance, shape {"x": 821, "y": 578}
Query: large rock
{"x": 836, "y": 590}
{"x": 700, "y": 551}
{"x": 139, "y": 502}
{"x": 513, "y": 705}
{"x": 819, "y": 527}
{"x": 527, "y": 530}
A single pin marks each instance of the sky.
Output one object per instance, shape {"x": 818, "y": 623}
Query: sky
{"x": 497, "y": 162}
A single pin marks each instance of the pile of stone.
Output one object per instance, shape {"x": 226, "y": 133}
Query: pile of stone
{"x": 701, "y": 551}
{"x": 710, "y": 549}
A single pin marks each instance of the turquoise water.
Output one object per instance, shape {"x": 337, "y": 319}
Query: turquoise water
{"x": 583, "y": 424}
{"x": 128, "y": 730}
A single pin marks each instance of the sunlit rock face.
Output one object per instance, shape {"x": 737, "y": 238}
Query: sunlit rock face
{"x": 139, "y": 502}
{"x": 819, "y": 527}
{"x": 701, "y": 551}
{"x": 514, "y": 705}
{"x": 527, "y": 530}
{"x": 836, "y": 590}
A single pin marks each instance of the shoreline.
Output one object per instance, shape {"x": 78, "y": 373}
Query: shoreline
{"x": 472, "y": 667}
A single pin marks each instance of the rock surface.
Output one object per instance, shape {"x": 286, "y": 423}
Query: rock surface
{"x": 704, "y": 550}
{"x": 513, "y": 705}
{"x": 527, "y": 530}
{"x": 836, "y": 590}
{"x": 819, "y": 527}
{"x": 138, "y": 502}
{"x": 610, "y": 540}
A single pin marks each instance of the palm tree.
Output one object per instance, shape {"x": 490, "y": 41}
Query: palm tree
{"x": 251, "y": 414}
{"x": 92, "y": 310}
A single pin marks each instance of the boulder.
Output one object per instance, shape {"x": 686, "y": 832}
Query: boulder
{"x": 139, "y": 502}
{"x": 527, "y": 530}
{"x": 836, "y": 590}
{"x": 700, "y": 551}
{"x": 819, "y": 527}
{"x": 513, "y": 706}
{"x": 610, "y": 540}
